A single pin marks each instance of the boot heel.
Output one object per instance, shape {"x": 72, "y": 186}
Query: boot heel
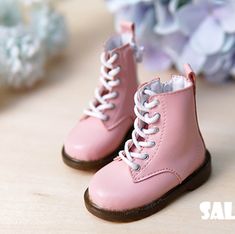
{"x": 200, "y": 176}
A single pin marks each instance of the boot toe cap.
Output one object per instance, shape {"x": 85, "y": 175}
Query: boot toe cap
{"x": 78, "y": 151}
{"x": 113, "y": 188}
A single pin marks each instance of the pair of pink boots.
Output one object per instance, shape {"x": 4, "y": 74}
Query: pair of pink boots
{"x": 164, "y": 154}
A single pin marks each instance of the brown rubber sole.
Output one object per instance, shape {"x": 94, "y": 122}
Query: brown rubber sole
{"x": 97, "y": 164}
{"x": 192, "y": 182}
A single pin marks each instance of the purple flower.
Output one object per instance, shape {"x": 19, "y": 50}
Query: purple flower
{"x": 143, "y": 15}
{"x": 199, "y": 32}
{"x": 211, "y": 36}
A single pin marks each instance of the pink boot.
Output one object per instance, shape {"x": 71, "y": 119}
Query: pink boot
{"x": 165, "y": 157}
{"x": 108, "y": 122}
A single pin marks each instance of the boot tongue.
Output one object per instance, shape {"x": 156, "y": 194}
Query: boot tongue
{"x": 125, "y": 36}
{"x": 156, "y": 86}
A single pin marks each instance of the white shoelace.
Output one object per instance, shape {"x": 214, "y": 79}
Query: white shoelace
{"x": 141, "y": 111}
{"x": 108, "y": 82}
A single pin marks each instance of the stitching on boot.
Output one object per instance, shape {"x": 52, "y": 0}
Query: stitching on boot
{"x": 119, "y": 122}
{"x": 164, "y": 170}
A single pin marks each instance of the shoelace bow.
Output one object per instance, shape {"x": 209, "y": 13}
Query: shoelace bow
{"x": 108, "y": 82}
{"x": 143, "y": 118}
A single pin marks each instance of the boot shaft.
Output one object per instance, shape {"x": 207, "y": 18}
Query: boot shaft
{"x": 179, "y": 147}
{"x": 124, "y": 103}
{"x": 113, "y": 103}
{"x": 128, "y": 54}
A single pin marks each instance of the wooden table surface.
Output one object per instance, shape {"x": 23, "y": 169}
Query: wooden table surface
{"x": 39, "y": 194}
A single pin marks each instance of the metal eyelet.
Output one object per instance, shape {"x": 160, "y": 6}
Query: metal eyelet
{"x": 119, "y": 80}
{"x": 116, "y": 94}
{"x": 146, "y": 157}
{"x": 113, "y": 106}
{"x": 117, "y": 54}
{"x": 106, "y": 118}
{"x": 144, "y": 103}
{"x": 158, "y": 102}
{"x": 137, "y": 167}
{"x": 144, "y": 90}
